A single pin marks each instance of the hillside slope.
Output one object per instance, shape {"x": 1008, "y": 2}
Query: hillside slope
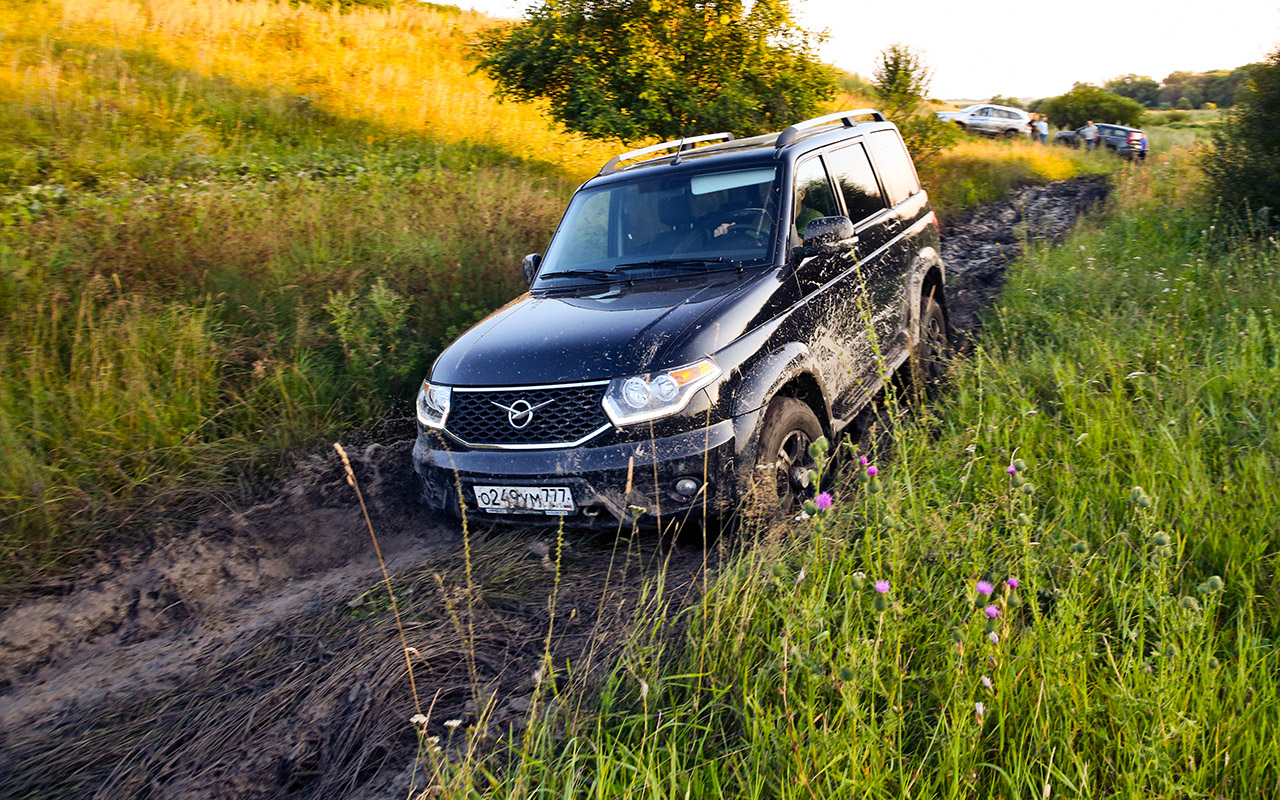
{"x": 227, "y": 227}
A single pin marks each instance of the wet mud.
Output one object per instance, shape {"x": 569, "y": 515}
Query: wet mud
{"x": 256, "y": 654}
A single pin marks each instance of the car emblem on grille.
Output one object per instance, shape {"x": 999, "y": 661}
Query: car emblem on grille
{"x": 520, "y": 413}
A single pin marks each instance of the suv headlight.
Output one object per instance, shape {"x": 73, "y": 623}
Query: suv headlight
{"x": 433, "y": 405}
{"x": 658, "y": 394}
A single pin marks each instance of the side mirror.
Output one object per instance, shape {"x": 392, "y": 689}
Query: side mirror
{"x": 827, "y": 235}
{"x": 529, "y": 267}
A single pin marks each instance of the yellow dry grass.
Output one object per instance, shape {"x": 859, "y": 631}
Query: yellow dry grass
{"x": 403, "y": 68}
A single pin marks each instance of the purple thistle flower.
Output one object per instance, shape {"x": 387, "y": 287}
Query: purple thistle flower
{"x": 985, "y": 588}
{"x": 823, "y": 501}
{"x": 882, "y": 586}
{"x": 871, "y": 472}
{"x": 1012, "y": 583}
{"x": 1011, "y": 469}
{"x": 992, "y": 611}
{"x": 862, "y": 460}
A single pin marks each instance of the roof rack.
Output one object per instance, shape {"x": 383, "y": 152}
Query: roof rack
{"x": 679, "y": 145}
{"x": 790, "y": 135}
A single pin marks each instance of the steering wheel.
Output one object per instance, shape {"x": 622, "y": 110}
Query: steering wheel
{"x": 751, "y": 224}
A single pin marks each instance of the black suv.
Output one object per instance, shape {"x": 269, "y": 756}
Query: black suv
{"x": 1123, "y": 141}
{"x": 705, "y": 310}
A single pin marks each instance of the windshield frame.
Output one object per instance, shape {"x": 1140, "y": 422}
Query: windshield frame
{"x": 634, "y": 265}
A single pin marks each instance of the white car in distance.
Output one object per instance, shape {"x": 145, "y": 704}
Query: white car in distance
{"x": 991, "y": 120}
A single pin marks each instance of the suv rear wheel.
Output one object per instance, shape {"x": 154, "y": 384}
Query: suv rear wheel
{"x": 782, "y": 472}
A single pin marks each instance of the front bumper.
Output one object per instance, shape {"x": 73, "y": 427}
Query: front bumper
{"x": 611, "y": 483}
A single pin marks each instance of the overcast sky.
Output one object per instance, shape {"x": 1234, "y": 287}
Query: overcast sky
{"x": 1032, "y": 49}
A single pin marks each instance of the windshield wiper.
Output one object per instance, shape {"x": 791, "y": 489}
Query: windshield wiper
{"x": 681, "y": 262}
{"x": 593, "y": 274}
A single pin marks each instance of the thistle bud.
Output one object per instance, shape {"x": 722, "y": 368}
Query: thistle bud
{"x": 858, "y": 580}
{"x": 1028, "y": 490}
{"x": 1214, "y": 663}
{"x": 1160, "y": 540}
{"x": 1019, "y": 465}
{"x": 1016, "y": 480}
{"x": 811, "y": 508}
{"x": 1189, "y": 603}
{"x": 874, "y": 486}
{"x": 812, "y": 475}
{"x": 881, "y": 603}
{"x": 847, "y": 674}
{"x": 1214, "y": 583}
{"x": 1144, "y": 501}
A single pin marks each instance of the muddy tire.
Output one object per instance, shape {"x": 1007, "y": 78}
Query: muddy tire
{"x": 782, "y": 467}
{"x": 932, "y": 349}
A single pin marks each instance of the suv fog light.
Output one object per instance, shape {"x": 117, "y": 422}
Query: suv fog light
{"x": 687, "y": 487}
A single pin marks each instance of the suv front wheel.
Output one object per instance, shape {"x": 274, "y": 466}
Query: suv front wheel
{"x": 928, "y": 361}
{"x": 782, "y": 472}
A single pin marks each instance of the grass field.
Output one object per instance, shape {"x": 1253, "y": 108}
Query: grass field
{"x": 1061, "y": 582}
{"x": 228, "y": 229}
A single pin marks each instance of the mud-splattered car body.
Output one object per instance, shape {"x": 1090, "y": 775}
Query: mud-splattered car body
{"x": 677, "y": 302}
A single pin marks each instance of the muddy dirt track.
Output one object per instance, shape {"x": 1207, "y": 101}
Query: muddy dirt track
{"x": 255, "y": 654}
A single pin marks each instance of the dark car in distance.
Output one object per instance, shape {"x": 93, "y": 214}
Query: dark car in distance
{"x": 1123, "y": 141}
{"x": 706, "y": 309}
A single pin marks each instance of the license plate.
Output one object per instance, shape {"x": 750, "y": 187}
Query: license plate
{"x": 556, "y": 500}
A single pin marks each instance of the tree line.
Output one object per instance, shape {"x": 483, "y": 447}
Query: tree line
{"x": 1183, "y": 90}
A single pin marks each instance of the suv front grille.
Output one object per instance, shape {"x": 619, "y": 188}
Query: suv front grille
{"x": 561, "y": 415}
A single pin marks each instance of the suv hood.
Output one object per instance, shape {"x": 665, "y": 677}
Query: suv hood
{"x": 596, "y": 333}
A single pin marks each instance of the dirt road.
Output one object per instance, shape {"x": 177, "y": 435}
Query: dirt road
{"x": 256, "y": 655}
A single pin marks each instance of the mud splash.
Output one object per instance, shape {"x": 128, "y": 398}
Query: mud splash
{"x": 254, "y": 655}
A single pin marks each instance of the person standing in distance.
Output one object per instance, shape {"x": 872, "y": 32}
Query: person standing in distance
{"x": 1090, "y": 133}
{"x": 1042, "y": 130}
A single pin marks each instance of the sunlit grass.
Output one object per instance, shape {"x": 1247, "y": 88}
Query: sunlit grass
{"x": 140, "y": 76}
{"x": 978, "y": 171}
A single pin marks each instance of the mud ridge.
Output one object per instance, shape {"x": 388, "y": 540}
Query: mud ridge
{"x": 255, "y": 655}
{"x": 978, "y": 246}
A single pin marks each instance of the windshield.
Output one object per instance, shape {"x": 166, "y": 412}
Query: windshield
{"x": 668, "y": 223}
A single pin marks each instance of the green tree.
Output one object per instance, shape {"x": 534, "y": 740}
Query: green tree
{"x": 901, "y": 80}
{"x": 633, "y": 69}
{"x": 1001, "y": 100}
{"x": 1243, "y": 163}
{"x": 1088, "y": 102}
{"x": 1140, "y": 88}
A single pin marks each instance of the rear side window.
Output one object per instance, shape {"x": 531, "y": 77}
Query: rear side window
{"x": 852, "y": 172}
{"x": 896, "y": 170}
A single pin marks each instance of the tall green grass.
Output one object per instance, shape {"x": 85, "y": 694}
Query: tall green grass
{"x": 1130, "y": 377}
{"x": 217, "y": 244}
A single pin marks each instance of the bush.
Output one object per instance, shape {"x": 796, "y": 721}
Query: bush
{"x": 636, "y": 69}
{"x": 901, "y": 80}
{"x": 1243, "y": 164}
{"x": 1088, "y": 102}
